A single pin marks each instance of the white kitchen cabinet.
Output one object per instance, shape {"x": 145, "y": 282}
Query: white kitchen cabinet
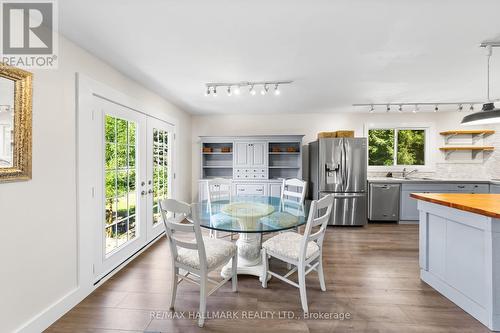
{"x": 408, "y": 205}
{"x": 275, "y": 190}
{"x": 251, "y": 154}
{"x": 241, "y": 154}
{"x": 259, "y": 154}
{"x": 256, "y": 164}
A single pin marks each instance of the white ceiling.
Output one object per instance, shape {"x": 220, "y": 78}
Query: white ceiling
{"x": 337, "y": 52}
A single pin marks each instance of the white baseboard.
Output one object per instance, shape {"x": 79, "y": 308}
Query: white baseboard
{"x": 56, "y": 310}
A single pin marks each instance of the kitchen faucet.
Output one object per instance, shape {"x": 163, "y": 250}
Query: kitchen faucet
{"x": 407, "y": 173}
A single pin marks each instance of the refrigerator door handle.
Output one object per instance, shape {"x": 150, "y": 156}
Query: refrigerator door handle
{"x": 343, "y": 174}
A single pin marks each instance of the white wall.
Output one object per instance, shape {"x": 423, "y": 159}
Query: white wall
{"x": 38, "y": 217}
{"x": 311, "y": 124}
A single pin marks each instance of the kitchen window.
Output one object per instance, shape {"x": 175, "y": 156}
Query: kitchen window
{"x": 393, "y": 147}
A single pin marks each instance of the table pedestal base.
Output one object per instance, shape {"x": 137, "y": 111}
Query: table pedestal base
{"x": 249, "y": 256}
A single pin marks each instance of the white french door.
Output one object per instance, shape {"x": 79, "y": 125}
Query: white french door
{"x": 160, "y": 136}
{"x": 136, "y": 172}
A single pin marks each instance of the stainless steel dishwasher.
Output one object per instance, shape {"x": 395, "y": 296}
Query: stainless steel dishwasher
{"x": 384, "y": 202}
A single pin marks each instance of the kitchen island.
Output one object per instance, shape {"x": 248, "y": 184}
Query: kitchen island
{"x": 459, "y": 243}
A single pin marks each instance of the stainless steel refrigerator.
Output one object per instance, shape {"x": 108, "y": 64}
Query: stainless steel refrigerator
{"x": 338, "y": 166}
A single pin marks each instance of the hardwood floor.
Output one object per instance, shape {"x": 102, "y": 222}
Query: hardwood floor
{"x": 371, "y": 273}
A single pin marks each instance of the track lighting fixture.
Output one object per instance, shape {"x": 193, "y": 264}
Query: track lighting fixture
{"x": 235, "y": 88}
{"x": 459, "y": 106}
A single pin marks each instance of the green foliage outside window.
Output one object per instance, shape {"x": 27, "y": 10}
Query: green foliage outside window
{"x": 381, "y": 147}
{"x": 410, "y": 144}
{"x": 411, "y": 147}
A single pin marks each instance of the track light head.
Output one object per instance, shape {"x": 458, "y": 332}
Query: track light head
{"x": 214, "y": 93}
{"x": 400, "y": 109}
{"x": 276, "y": 90}
{"x": 372, "y": 109}
{"x": 207, "y": 92}
{"x": 229, "y": 92}
{"x": 252, "y": 90}
{"x": 460, "y": 107}
{"x": 264, "y": 89}
{"x": 436, "y": 109}
{"x": 415, "y": 110}
{"x": 388, "y": 108}
{"x": 471, "y": 107}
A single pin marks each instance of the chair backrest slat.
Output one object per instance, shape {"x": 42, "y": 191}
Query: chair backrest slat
{"x": 319, "y": 214}
{"x": 294, "y": 189}
{"x": 176, "y": 224}
{"x": 218, "y": 189}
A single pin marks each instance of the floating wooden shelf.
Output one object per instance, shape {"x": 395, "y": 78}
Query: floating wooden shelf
{"x": 475, "y": 150}
{"x": 472, "y": 132}
{"x": 488, "y": 148}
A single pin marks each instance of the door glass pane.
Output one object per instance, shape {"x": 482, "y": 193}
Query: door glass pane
{"x": 160, "y": 170}
{"x": 120, "y": 182}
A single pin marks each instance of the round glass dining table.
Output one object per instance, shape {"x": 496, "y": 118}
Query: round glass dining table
{"x": 250, "y": 216}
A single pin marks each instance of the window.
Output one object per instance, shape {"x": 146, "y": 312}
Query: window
{"x": 396, "y": 146}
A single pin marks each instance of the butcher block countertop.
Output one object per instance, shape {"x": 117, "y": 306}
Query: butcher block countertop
{"x": 482, "y": 204}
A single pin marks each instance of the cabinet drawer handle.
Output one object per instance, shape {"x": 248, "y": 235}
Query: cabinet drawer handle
{"x": 461, "y": 186}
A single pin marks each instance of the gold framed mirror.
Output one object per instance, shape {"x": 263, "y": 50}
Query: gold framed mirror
{"x": 15, "y": 124}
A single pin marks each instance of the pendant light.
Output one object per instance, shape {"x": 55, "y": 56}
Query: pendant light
{"x": 488, "y": 114}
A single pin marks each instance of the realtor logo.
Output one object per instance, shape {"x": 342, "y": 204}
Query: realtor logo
{"x": 29, "y": 34}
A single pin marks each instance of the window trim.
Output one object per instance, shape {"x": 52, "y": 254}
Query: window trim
{"x": 430, "y": 146}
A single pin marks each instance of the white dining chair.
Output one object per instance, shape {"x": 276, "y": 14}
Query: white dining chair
{"x": 218, "y": 189}
{"x": 304, "y": 252}
{"x": 294, "y": 189}
{"x": 197, "y": 257}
